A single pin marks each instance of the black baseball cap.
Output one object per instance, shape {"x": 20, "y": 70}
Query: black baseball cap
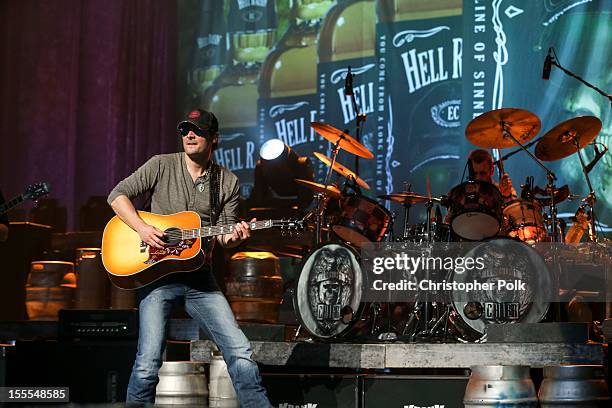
{"x": 199, "y": 120}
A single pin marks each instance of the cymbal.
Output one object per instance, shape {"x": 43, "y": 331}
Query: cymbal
{"x": 344, "y": 171}
{"x": 559, "y": 194}
{"x": 347, "y": 142}
{"x": 407, "y": 198}
{"x": 560, "y": 141}
{"x": 490, "y": 130}
{"x": 330, "y": 190}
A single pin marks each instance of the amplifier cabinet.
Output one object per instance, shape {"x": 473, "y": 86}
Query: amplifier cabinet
{"x": 312, "y": 390}
{"x": 414, "y": 391}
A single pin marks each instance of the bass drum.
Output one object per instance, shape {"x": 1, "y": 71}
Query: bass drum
{"x": 329, "y": 289}
{"x": 509, "y": 260}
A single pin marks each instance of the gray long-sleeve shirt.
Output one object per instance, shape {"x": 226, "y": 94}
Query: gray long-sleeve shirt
{"x": 173, "y": 190}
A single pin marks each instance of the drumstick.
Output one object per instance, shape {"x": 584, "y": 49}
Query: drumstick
{"x": 500, "y": 167}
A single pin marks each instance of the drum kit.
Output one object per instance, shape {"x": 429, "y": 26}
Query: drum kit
{"x": 328, "y": 294}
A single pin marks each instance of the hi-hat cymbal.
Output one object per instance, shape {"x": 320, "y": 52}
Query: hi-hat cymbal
{"x": 330, "y": 190}
{"x": 407, "y": 198}
{"x": 347, "y": 142}
{"x": 344, "y": 171}
{"x": 559, "y": 195}
{"x": 490, "y": 130}
{"x": 567, "y": 138}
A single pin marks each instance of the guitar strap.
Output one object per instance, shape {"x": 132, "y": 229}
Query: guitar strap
{"x": 215, "y": 190}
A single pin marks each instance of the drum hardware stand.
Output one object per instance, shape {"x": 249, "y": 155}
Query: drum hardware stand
{"x": 322, "y": 203}
{"x": 360, "y": 118}
{"x": 590, "y": 199}
{"x": 407, "y": 187}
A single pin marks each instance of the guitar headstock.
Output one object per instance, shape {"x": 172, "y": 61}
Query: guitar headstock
{"x": 35, "y": 191}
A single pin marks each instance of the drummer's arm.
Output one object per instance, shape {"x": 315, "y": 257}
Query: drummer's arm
{"x": 506, "y": 188}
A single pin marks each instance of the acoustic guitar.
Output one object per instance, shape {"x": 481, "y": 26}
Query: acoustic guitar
{"x": 131, "y": 264}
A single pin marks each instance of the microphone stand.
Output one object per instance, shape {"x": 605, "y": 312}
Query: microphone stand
{"x": 360, "y": 118}
{"x": 554, "y": 62}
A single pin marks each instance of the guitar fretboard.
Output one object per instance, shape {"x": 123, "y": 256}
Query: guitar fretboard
{"x": 11, "y": 203}
{"x": 222, "y": 229}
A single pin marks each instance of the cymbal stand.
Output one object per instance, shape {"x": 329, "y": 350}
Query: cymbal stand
{"x": 407, "y": 187}
{"x": 322, "y": 203}
{"x": 425, "y": 332}
{"x": 549, "y": 175}
{"x": 590, "y": 199}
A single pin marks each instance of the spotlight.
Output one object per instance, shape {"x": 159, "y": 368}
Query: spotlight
{"x": 275, "y": 172}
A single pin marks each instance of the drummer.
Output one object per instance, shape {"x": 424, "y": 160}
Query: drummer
{"x": 482, "y": 163}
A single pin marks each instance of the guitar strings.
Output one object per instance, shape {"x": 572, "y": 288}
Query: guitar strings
{"x": 213, "y": 230}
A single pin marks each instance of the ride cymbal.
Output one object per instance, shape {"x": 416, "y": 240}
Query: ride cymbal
{"x": 344, "y": 140}
{"x": 492, "y": 129}
{"x": 330, "y": 190}
{"x": 342, "y": 170}
{"x": 408, "y": 198}
{"x": 567, "y": 138}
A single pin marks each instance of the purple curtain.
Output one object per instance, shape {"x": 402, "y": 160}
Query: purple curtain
{"x": 87, "y": 93}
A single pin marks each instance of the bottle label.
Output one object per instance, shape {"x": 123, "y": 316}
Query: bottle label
{"x": 238, "y": 151}
{"x": 289, "y": 119}
{"x": 420, "y": 83}
{"x": 251, "y": 15}
{"x": 336, "y": 109}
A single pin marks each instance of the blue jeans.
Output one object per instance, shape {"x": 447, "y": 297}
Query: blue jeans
{"x": 214, "y": 316}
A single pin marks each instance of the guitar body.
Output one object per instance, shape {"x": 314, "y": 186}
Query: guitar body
{"x": 132, "y": 266}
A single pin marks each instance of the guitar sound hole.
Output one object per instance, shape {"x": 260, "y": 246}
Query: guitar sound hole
{"x": 172, "y": 236}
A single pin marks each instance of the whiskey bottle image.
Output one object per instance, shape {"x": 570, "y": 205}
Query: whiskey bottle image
{"x": 233, "y": 94}
{"x": 421, "y": 46}
{"x": 348, "y": 38}
{"x": 210, "y": 48}
{"x": 288, "y": 99}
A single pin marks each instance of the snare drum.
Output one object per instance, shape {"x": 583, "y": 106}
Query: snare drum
{"x": 475, "y": 210}
{"x": 523, "y": 219}
{"x": 361, "y": 220}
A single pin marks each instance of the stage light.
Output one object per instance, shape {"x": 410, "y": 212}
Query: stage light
{"x": 275, "y": 172}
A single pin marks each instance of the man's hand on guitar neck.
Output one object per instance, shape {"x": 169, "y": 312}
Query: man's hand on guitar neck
{"x": 241, "y": 232}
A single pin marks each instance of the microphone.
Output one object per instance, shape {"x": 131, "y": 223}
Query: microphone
{"x": 471, "y": 176}
{"x": 547, "y": 65}
{"x": 348, "y": 83}
{"x": 598, "y": 156}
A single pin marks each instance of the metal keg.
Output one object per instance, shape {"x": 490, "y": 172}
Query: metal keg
{"x": 93, "y": 284}
{"x": 254, "y": 286}
{"x": 182, "y": 383}
{"x": 500, "y": 386}
{"x": 220, "y": 387}
{"x": 50, "y": 287}
{"x": 569, "y": 386}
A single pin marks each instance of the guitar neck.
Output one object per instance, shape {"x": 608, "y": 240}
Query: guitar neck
{"x": 223, "y": 229}
{"x": 11, "y": 203}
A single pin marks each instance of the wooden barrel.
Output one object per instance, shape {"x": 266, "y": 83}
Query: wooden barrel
{"x": 497, "y": 386}
{"x": 221, "y": 393}
{"x": 574, "y": 386}
{"x": 254, "y": 286}
{"x": 92, "y": 282}
{"x": 50, "y": 287}
{"x": 182, "y": 383}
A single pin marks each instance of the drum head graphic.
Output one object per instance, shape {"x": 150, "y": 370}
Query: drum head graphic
{"x": 328, "y": 293}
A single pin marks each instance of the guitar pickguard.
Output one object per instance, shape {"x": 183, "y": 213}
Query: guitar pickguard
{"x": 156, "y": 255}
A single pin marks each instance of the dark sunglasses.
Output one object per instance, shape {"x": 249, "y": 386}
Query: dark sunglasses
{"x": 185, "y": 128}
